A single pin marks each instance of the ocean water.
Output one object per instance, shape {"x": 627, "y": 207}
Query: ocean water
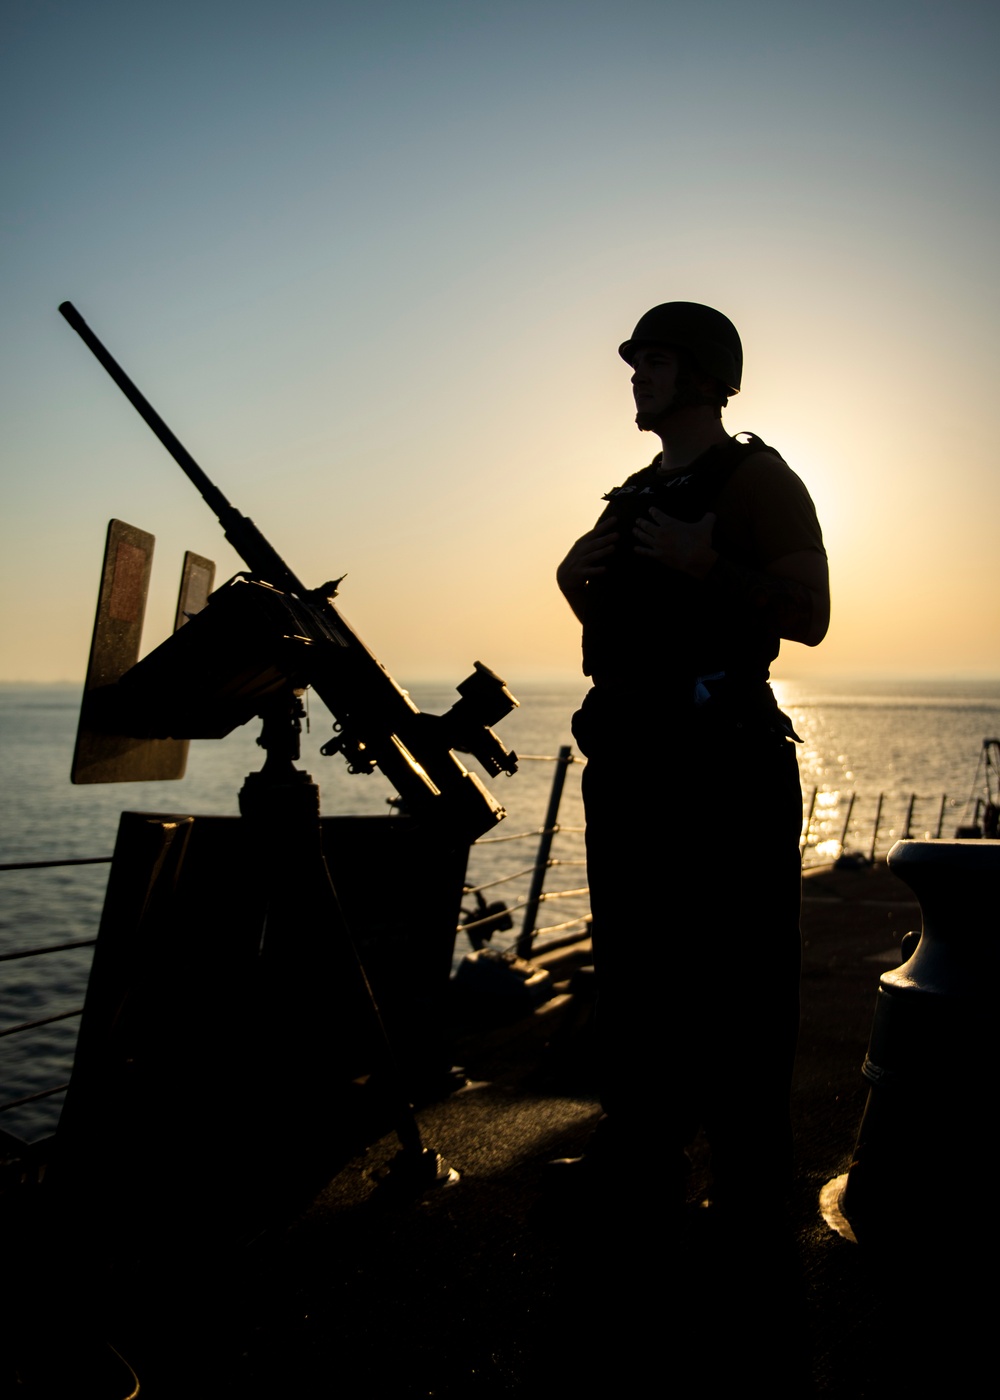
{"x": 906, "y": 740}
{"x": 915, "y": 744}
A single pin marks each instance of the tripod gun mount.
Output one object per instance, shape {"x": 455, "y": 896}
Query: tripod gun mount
{"x": 265, "y": 631}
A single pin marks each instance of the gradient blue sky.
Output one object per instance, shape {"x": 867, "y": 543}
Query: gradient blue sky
{"x": 372, "y": 264}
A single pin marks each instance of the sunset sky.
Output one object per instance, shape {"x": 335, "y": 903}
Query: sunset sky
{"x": 372, "y": 264}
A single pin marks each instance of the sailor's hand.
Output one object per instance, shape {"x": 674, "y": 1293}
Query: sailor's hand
{"x": 586, "y": 560}
{"x": 677, "y": 544}
{"x": 588, "y": 557}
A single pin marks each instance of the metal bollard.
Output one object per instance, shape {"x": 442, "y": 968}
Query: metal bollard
{"x": 925, "y": 1155}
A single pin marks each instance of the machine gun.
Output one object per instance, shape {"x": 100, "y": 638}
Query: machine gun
{"x": 264, "y": 634}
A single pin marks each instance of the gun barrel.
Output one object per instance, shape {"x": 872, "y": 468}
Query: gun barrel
{"x": 240, "y": 531}
{"x": 141, "y": 404}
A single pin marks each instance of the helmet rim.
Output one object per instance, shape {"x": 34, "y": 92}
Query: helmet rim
{"x": 706, "y": 334}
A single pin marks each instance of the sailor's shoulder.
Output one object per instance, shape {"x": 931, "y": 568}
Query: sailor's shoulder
{"x": 763, "y": 468}
{"x": 754, "y": 450}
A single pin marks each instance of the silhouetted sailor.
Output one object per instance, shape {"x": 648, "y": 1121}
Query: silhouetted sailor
{"x": 699, "y": 565}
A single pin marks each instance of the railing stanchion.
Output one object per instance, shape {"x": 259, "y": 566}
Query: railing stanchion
{"x": 544, "y": 850}
{"x": 847, "y": 822}
{"x": 878, "y": 814}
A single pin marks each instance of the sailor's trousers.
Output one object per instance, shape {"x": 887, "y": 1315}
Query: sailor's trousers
{"x": 693, "y": 829}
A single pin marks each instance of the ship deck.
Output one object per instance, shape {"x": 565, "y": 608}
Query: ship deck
{"x": 496, "y": 1285}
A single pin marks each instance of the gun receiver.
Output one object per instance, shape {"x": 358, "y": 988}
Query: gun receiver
{"x": 299, "y": 637}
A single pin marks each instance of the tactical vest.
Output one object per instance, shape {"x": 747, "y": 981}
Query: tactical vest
{"x": 646, "y": 626}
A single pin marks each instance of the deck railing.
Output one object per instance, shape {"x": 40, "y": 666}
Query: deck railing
{"x": 834, "y": 823}
{"x": 45, "y": 950}
{"x": 479, "y": 924}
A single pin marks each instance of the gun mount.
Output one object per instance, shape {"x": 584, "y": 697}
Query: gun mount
{"x": 265, "y": 632}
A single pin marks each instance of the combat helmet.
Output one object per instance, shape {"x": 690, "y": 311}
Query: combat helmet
{"x": 710, "y": 339}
